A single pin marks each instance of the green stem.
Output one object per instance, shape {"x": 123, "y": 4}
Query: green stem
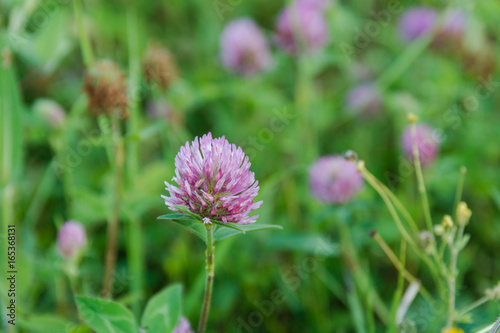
{"x": 420, "y": 178}
{"x": 360, "y": 278}
{"x": 88, "y": 57}
{"x": 473, "y": 305}
{"x": 372, "y": 181}
{"x": 458, "y": 193}
{"x": 398, "y": 294}
{"x": 451, "y": 288}
{"x": 113, "y": 225}
{"x": 401, "y": 267}
{"x": 410, "y": 54}
{"x": 210, "y": 280}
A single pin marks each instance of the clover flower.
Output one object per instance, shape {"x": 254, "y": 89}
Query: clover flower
{"x": 243, "y": 47}
{"x": 428, "y": 146}
{"x": 105, "y": 86}
{"x": 416, "y": 22}
{"x": 159, "y": 66}
{"x": 301, "y": 26}
{"x": 71, "y": 239}
{"x": 333, "y": 179}
{"x": 215, "y": 181}
{"x": 364, "y": 99}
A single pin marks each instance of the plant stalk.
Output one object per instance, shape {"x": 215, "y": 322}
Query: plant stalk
{"x": 113, "y": 225}
{"x": 210, "y": 280}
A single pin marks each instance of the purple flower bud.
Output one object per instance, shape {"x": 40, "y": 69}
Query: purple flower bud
{"x": 301, "y": 26}
{"x": 183, "y": 326}
{"x": 364, "y": 99}
{"x": 427, "y": 145}
{"x": 244, "y": 50}
{"x": 333, "y": 179}
{"x": 416, "y": 22}
{"x": 214, "y": 180}
{"x": 71, "y": 239}
{"x": 52, "y": 112}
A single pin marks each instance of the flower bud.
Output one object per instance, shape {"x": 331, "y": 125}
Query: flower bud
{"x": 71, "y": 240}
{"x": 427, "y": 241}
{"x": 439, "y": 229}
{"x": 106, "y": 89}
{"x": 159, "y": 66}
{"x": 463, "y": 214}
{"x": 447, "y": 222}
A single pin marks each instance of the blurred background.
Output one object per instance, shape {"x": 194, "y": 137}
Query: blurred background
{"x": 285, "y": 111}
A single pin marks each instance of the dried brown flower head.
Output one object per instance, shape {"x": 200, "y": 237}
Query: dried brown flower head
{"x": 159, "y": 67}
{"x": 106, "y": 88}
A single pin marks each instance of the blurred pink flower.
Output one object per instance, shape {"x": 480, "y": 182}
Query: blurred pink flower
{"x": 416, "y": 22}
{"x": 333, "y": 179}
{"x": 364, "y": 99}
{"x": 183, "y": 326}
{"x": 301, "y": 27}
{"x": 244, "y": 49}
{"x": 215, "y": 181}
{"x": 71, "y": 239}
{"x": 427, "y": 146}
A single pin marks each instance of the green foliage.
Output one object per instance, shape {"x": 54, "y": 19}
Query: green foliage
{"x": 105, "y": 316}
{"x": 163, "y": 310}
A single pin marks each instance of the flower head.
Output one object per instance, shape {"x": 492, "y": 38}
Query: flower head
{"x": 183, "y": 326}
{"x": 159, "y": 66}
{"x": 71, "y": 239}
{"x": 416, "y": 22}
{"x": 301, "y": 26}
{"x": 365, "y": 99}
{"x": 427, "y": 146}
{"x": 243, "y": 47}
{"x": 106, "y": 88}
{"x": 214, "y": 181}
{"x": 463, "y": 214}
{"x": 333, "y": 179}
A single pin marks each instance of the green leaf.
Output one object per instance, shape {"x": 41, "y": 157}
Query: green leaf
{"x": 44, "y": 323}
{"x": 188, "y": 223}
{"x": 223, "y": 233}
{"x": 187, "y": 211}
{"x": 464, "y": 241}
{"x": 163, "y": 310}
{"x": 234, "y": 226}
{"x": 106, "y": 316}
